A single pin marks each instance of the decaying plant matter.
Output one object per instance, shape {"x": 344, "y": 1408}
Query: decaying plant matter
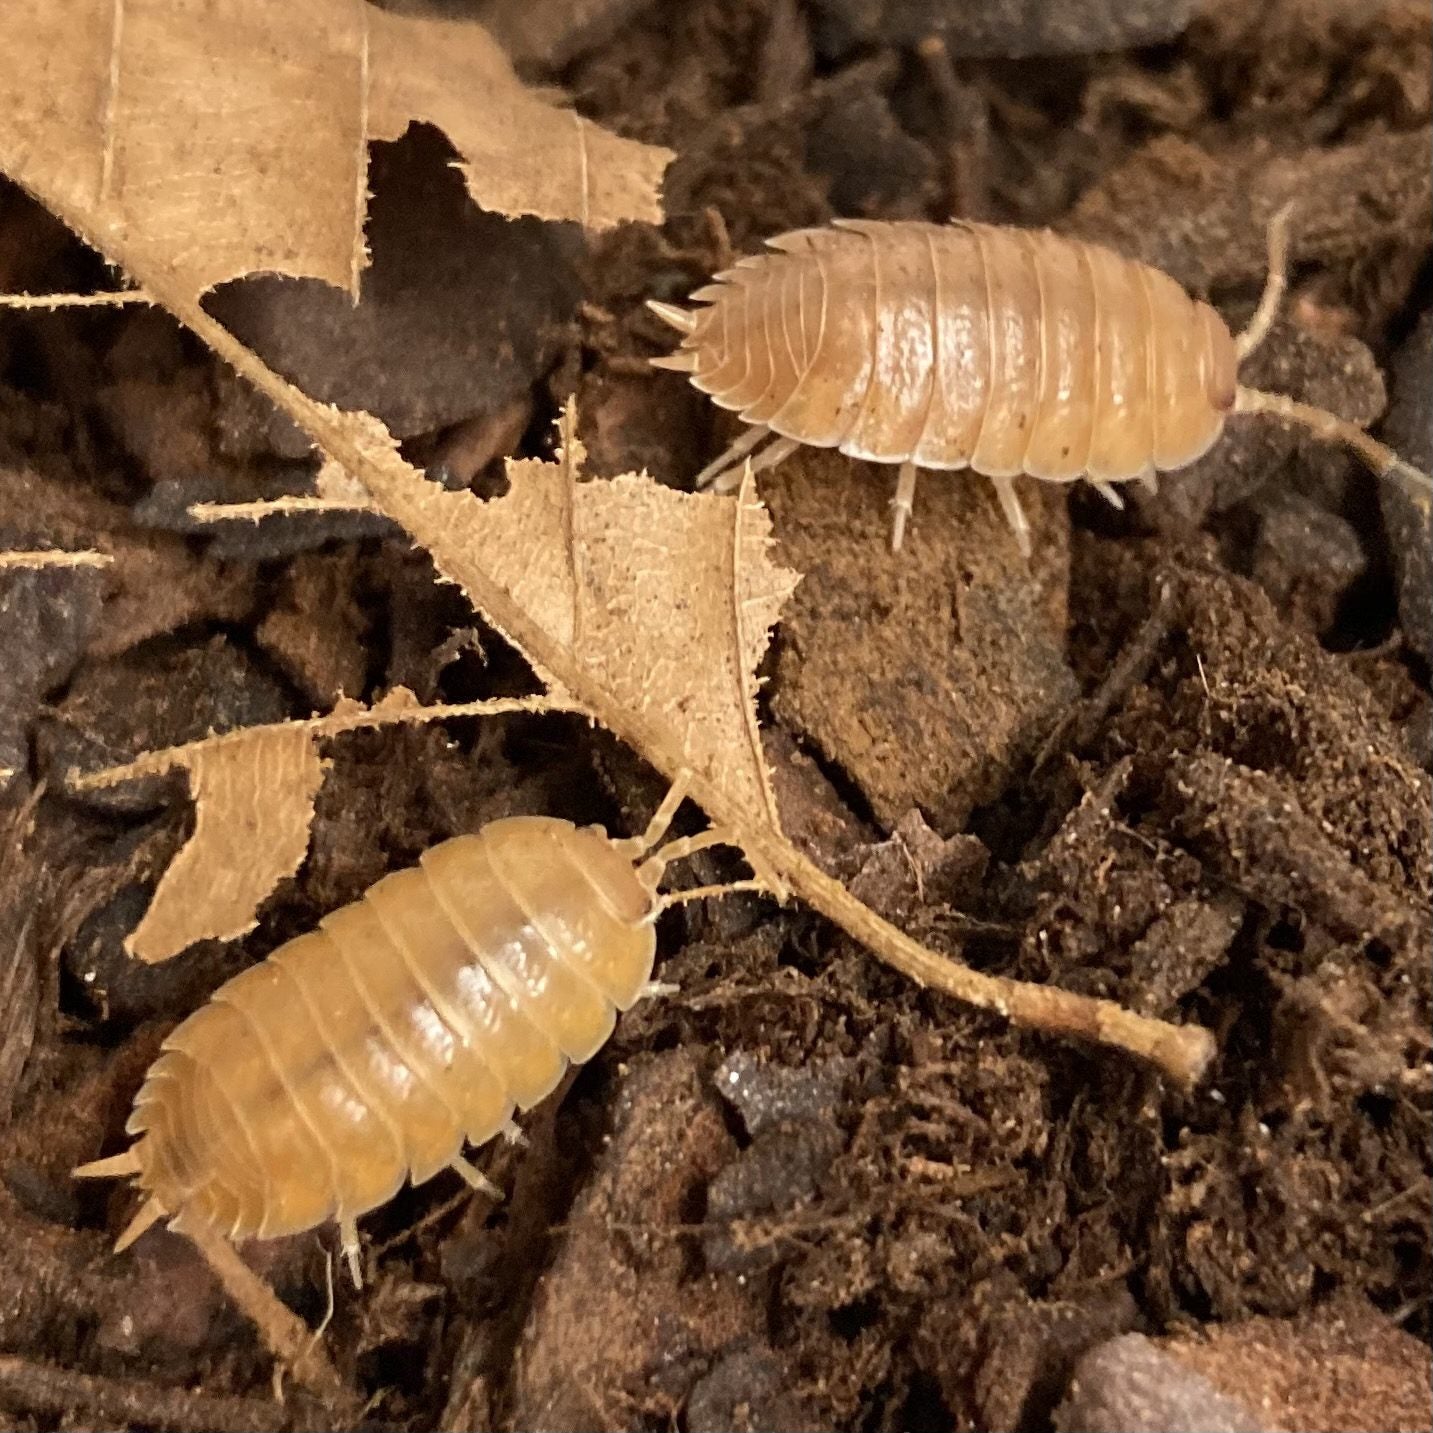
{"x": 860, "y": 1176}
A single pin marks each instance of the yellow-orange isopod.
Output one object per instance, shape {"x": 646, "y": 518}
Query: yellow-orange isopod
{"x": 1009, "y": 351}
{"x": 412, "y": 1021}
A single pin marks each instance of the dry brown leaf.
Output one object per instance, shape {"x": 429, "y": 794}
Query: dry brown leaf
{"x": 663, "y": 600}
{"x": 254, "y": 790}
{"x": 229, "y": 137}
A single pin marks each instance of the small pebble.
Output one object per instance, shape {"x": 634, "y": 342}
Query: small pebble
{"x": 1129, "y": 1386}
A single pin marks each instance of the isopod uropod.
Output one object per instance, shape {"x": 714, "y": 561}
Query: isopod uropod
{"x": 1009, "y": 351}
{"x": 410, "y": 1021}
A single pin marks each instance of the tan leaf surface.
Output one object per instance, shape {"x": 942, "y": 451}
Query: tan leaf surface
{"x": 228, "y": 137}
{"x": 664, "y": 600}
{"x": 254, "y": 790}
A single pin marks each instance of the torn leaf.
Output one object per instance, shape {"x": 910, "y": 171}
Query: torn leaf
{"x": 663, "y": 601}
{"x": 254, "y": 790}
{"x": 254, "y": 802}
{"x": 230, "y": 137}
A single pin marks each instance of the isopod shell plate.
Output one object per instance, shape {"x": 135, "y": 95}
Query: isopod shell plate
{"x": 965, "y": 345}
{"x": 366, "y": 1052}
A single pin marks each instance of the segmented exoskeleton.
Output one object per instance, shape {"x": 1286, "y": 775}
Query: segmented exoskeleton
{"x": 415, "y": 1019}
{"x": 1009, "y": 351}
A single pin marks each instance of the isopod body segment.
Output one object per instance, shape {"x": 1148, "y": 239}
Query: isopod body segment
{"x": 1009, "y": 351}
{"x": 416, "y": 1019}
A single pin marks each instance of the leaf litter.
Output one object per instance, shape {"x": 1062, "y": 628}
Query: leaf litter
{"x": 254, "y": 791}
{"x": 807, "y": 1280}
{"x": 233, "y": 140}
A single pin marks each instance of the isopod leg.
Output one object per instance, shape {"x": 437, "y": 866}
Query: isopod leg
{"x": 1014, "y": 513}
{"x": 702, "y": 893}
{"x": 769, "y": 457}
{"x": 513, "y": 1134}
{"x": 1108, "y": 492}
{"x": 649, "y": 873}
{"x": 902, "y": 504}
{"x": 474, "y": 1178}
{"x": 1149, "y": 481}
{"x": 728, "y": 479}
{"x": 348, "y": 1242}
{"x": 1274, "y": 285}
{"x": 662, "y": 818}
{"x": 730, "y": 457}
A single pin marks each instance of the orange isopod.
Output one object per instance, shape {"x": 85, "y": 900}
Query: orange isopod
{"x": 1009, "y": 351}
{"x": 415, "y": 1019}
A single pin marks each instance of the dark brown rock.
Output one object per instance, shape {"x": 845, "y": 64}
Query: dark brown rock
{"x": 1408, "y": 428}
{"x": 928, "y": 675}
{"x": 1009, "y": 28}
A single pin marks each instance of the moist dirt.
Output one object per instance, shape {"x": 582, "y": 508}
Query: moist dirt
{"x": 1179, "y": 760}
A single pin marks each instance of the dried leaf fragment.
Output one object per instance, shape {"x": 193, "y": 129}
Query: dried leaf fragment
{"x": 521, "y": 153}
{"x": 664, "y": 600}
{"x": 230, "y": 137}
{"x": 334, "y": 491}
{"x": 255, "y": 803}
{"x": 54, "y": 557}
{"x": 254, "y": 790}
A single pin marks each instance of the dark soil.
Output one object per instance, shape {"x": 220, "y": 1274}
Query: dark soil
{"x": 1181, "y": 760}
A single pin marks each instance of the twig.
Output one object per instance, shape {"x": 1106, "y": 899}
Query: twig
{"x": 285, "y": 1335}
{"x": 29, "y": 1388}
{"x": 965, "y": 122}
{"x": 1081, "y": 724}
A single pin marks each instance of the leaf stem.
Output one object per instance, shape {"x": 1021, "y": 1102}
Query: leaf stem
{"x": 1181, "y": 1052}
{"x": 286, "y": 1336}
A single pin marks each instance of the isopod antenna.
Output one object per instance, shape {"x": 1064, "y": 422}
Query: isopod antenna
{"x": 651, "y": 870}
{"x": 1329, "y": 427}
